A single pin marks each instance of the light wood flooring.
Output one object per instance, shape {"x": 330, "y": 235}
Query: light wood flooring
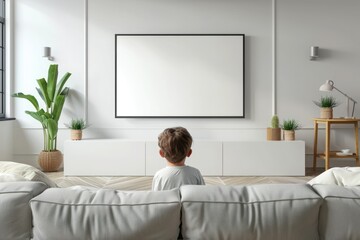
{"x": 144, "y": 183}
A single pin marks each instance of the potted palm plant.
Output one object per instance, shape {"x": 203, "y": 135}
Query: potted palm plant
{"x": 53, "y": 95}
{"x": 273, "y": 133}
{"x": 76, "y": 126}
{"x": 326, "y": 104}
{"x": 289, "y": 127}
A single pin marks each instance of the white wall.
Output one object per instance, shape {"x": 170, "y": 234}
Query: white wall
{"x": 59, "y": 25}
{"x": 171, "y": 16}
{"x": 68, "y": 25}
{"x": 6, "y": 140}
{"x": 331, "y": 25}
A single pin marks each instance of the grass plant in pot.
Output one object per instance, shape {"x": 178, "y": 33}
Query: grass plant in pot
{"x": 273, "y": 133}
{"x": 326, "y": 104}
{"x": 76, "y": 126}
{"x": 53, "y": 94}
{"x": 289, "y": 127}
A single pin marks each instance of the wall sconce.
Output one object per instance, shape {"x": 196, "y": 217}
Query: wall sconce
{"x": 47, "y": 53}
{"x": 314, "y": 52}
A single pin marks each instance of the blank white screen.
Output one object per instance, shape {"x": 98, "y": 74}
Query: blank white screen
{"x": 179, "y": 76}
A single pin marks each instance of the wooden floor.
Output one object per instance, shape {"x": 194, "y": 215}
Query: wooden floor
{"x": 144, "y": 183}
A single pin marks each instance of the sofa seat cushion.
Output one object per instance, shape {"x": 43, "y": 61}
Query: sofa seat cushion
{"x": 340, "y": 213}
{"x": 28, "y": 172}
{"x": 269, "y": 211}
{"x": 82, "y": 213}
{"x": 15, "y": 213}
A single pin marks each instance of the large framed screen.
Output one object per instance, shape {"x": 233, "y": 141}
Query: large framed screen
{"x": 179, "y": 75}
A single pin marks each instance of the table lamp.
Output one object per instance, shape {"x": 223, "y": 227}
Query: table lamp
{"x": 329, "y": 86}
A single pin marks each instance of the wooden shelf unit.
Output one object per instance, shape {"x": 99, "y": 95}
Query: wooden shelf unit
{"x": 332, "y": 154}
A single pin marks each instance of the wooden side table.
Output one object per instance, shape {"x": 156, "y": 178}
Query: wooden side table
{"x": 333, "y": 154}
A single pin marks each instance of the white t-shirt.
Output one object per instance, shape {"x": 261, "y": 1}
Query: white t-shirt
{"x": 175, "y": 176}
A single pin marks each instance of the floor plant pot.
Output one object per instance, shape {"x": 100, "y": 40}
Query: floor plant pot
{"x": 273, "y": 134}
{"x": 76, "y": 134}
{"x": 50, "y": 161}
{"x": 289, "y": 135}
{"x": 326, "y": 113}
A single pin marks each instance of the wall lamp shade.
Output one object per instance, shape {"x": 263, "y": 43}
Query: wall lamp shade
{"x": 314, "y": 53}
{"x": 329, "y": 86}
{"x": 47, "y": 53}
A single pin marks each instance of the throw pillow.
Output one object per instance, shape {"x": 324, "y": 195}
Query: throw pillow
{"x": 7, "y": 177}
{"x": 28, "y": 172}
{"x": 342, "y": 176}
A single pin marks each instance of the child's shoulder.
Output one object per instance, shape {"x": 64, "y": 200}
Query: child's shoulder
{"x": 160, "y": 171}
{"x": 192, "y": 169}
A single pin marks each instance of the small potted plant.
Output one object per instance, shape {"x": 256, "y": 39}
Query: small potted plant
{"x": 273, "y": 133}
{"x": 76, "y": 126}
{"x": 326, "y": 105}
{"x": 289, "y": 127}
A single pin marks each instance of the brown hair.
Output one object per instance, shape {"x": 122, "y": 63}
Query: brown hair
{"x": 175, "y": 143}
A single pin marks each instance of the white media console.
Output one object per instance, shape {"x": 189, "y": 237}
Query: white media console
{"x": 117, "y": 157}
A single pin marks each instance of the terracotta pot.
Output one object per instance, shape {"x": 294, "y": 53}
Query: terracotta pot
{"x": 50, "y": 161}
{"x": 273, "y": 134}
{"x": 289, "y": 135}
{"x": 76, "y": 134}
{"x": 326, "y": 113}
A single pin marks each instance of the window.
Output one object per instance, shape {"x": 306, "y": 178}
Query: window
{"x": 2, "y": 59}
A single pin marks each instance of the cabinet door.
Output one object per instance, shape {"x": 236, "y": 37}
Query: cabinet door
{"x": 104, "y": 157}
{"x": 264, "y": 158}
{"x": 207, "y": 157}
{"x": 153, "y": 161}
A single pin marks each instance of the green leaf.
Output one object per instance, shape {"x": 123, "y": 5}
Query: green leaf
{"x": 52, "y": 81}
{"x": 29, "y": 97}
{"x": 36, "y": 115}
{"x": 77, "y": 124}
{"x": 65, "y": 92}
{"x": 40, "y": 94}
{"x": 62, "y": 82}
{"x": 52, "y": 127}
{"x": 290, "y": 124}
{"x": 43, "y": 87}
{"x": 47, "y": 115}
{"x": 58, "y": 106}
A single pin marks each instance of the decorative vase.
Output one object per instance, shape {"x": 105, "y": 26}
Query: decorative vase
{"x": 50, "y": 161}
{"x": 289, "y": 135}
{"x": 76, "y": 134}
{"x": 326, "y": 113}
{"x": 273, "y": 134}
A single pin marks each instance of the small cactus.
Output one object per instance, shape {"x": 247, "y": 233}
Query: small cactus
{"x": 275, "y": 122}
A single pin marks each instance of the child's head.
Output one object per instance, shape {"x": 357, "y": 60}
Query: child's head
{"x": 175, "y": 144}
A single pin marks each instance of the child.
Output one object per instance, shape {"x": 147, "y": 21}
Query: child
{"x": 175, "y": 146}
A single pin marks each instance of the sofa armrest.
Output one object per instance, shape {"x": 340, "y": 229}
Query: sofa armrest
{"x": 340, "y": 212}
{"x": 15, "y": 213}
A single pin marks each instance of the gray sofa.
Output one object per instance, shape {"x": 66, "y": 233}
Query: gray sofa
{"x": 274, "y": 211}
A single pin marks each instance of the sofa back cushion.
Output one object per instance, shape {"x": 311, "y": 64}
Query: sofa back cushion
{"x": 340, "y": 212}
{"x": 272, "y": 211}
{"x": 15, "y": 213}
{"x": 82, "y": 213}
